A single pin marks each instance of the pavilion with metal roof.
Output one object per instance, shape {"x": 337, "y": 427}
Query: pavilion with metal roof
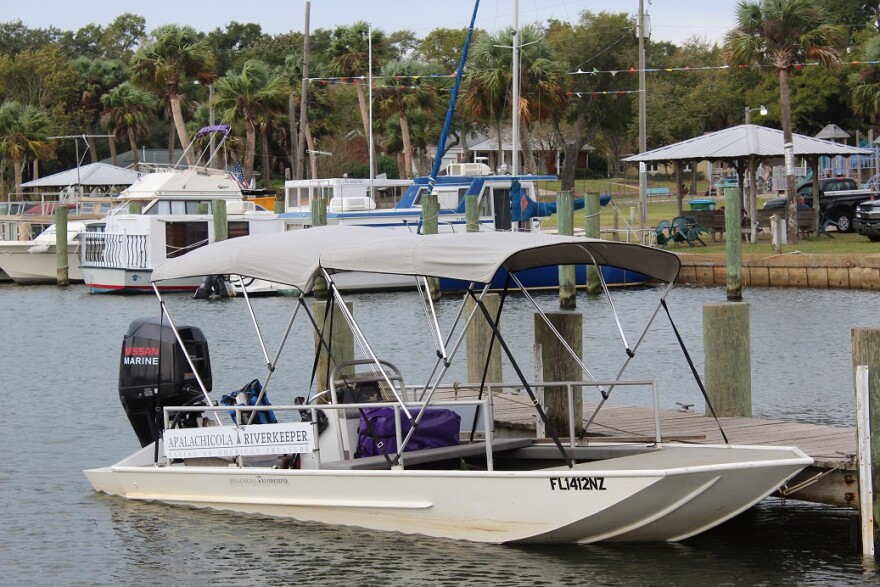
{"x": 91, "y": 175}
{"x": 744, "y": 146}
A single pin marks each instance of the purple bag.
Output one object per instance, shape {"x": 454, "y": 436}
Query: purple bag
{"x": 438, "y": 427}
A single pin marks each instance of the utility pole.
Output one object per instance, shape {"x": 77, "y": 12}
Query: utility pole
{"x": 298, "y": 172}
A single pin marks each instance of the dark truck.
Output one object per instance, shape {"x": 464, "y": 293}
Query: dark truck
{"x": 867, "y": 221}
{"x": 838, "y": 198}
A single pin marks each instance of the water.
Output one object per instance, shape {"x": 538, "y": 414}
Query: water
{"x": 60, "y": 352}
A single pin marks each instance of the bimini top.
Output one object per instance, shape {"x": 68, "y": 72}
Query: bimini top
{"x": 296, "y": 257}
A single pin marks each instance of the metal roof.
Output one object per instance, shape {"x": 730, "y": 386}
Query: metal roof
{"x": 832, "y": 131}
{"x": 744, "y": 141}
{"x": 93, "y": 174}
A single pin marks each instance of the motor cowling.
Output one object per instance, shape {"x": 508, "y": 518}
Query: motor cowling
{"x": 154, "y": 372}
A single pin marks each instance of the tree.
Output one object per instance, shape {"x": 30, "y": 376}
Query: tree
{"x": 401, "y": 93}
{"x": 174, "y": 55}
{"x": 127, "y": 111}
{"x": 782, "y": 33}
{"x": 96, "y": 78}
{"x": 250, "y": 97}
{"x": 595, "y": 107}
{"x": 24, "y": 131}
{"x": 350, "y": 58}
{"x": 490, "y": 80}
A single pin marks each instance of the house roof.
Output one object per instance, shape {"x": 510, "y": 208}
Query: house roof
{"x": 745, "y": 140}
{"x": 93, "y": 174}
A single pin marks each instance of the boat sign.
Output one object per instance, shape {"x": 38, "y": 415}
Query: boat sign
{"x": 225, "y": 441}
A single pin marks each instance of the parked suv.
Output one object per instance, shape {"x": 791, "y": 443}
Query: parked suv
{"x": 867, "y": 220}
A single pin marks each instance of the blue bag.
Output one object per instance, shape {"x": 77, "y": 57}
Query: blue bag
{"x": 251, "y": 392}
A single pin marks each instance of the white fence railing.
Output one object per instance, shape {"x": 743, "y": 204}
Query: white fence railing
{"x": 106, "y": 249}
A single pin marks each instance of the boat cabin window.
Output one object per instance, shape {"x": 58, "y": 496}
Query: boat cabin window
{"x": 237, "y": 229}
{"x": 447, "y": 197}
{"x": 182, "y": 237}
{"x": 179, "y": 207}
{"x": 501, "y": 200}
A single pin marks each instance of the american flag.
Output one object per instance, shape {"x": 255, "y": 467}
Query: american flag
{"x": 238, "y": 174}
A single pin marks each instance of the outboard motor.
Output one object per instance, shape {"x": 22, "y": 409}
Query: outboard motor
{"x": 154, "y": 372}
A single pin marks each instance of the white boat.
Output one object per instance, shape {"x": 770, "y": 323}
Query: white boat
{"x": 311, "y": 466}
{"x": 165, "y": 214}
{"x": 34, "y": 262}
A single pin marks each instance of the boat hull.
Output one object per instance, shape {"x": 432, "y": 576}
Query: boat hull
{"x": 26, "y": 268}
{"x": 119, "y": 280}
{"x": 548, "y": 278}
{"x": 664, "y": 495}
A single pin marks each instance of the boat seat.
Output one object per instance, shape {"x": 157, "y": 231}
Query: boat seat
{"x": 430, "y": 455}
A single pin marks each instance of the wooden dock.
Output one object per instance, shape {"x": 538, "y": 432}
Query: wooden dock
{"x": 831, "y": 480}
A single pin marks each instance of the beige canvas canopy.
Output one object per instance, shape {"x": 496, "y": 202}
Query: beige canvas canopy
{"x": 295, "y": 257}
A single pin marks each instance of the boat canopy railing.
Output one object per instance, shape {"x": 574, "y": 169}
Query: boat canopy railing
{"x": 242, "y": 411}
{"x": 479, "y": 411}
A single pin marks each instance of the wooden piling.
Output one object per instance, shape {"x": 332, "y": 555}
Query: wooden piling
{"x": 592, "y": 230}
{"x": 728, "y": 374}
{"x": 559, "y": 365}
{"x": 221, "y": 223}
{"x": 733, "y": 228}
{"x": 866, "y": 351}
{"x": 565, "y": 226}
{"x": 338, "y": 335}
{"x": 278, "y": 208}
{"x": 61, "y": 260}
{"x": 478, "y": 339}
{"x": 430, "y": 217}
{"x": 472, "y": 212}
{"x": 318, "y": 209}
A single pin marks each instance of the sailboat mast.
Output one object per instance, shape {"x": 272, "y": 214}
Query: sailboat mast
{"x": 370, "y": 101}
{"x": 514, "y": 148}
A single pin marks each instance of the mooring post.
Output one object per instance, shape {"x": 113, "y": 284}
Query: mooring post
{"x": 733, "y": 228}
{"x": 592, "y": 229}
{"x": 278, "y": 208}
{"x": 221, "y": 224}
{"x": 61, "y": 265}
{"x": 478, "y": 339}
{"x": 430, "y": 217}
{"x": 472, "y": 212}
{"x": 559, "y": 365}
{"x": 866, "y": 352}
{"x": 728, "y": 375}
{"x": 318, "y": 209}
{"x": 339, "y": 338}
{"x": 565, "y": 226}
{"x": 863, "y": 438}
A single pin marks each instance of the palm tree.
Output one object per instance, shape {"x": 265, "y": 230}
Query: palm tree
{"x": 96, "y": 77}
{"x": 403, "y": 92}
{"x": 489, "y": 83}
{"x": 782, "y": 33}
{"x": 350, "y": 57}
{"x": 250, "y": 97}
{"x": 127, "y": 113}
{"x": 24, "y": 130}
{"x": 174, "y": 56}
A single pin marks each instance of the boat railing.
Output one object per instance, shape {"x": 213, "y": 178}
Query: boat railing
{"x": 241, "y": 415}
{"x": 107, "y": 249}
{"x": 476, "y": 412}
{"x": 460, "y": 390}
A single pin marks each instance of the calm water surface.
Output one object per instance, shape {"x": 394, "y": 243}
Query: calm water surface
{"x": 60, "y": 352}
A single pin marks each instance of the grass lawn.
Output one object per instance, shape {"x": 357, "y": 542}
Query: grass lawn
{"x": 625, "y": 196}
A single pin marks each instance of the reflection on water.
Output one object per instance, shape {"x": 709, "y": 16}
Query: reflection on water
{"x": 60, "y": 353}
